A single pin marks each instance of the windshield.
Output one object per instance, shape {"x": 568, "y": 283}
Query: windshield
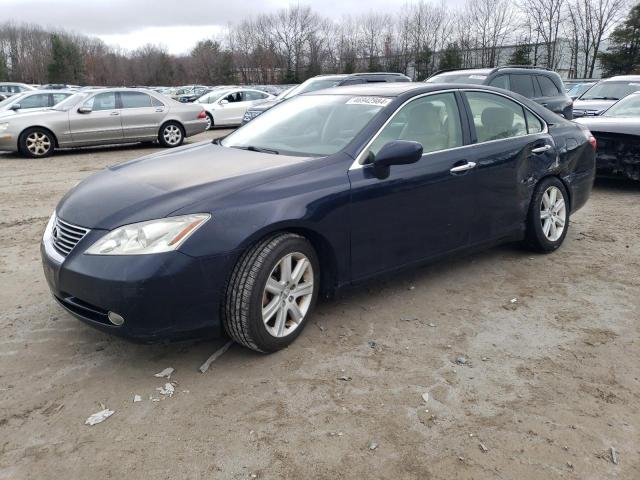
{"x": 627, "y": 107}
{"x": 314, "y": 84}
{"x": 610, "y": 90}
{"x": 212, "y": 96}
{"x": 579, "y": 89}
{"x": 71, "y": 101}
{"x": 12, "y": 99}
{"x": 308, "y": 125}
{"x": 474, "y": 78}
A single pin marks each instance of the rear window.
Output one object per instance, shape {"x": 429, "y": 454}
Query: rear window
{"x": 135, "y": 100}
{"x": 547, "y": 87}
{"x": 522, "y": 84}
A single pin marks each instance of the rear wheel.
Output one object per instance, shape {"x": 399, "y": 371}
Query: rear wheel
{"x": 36, "y": 143}
{"x": 271, "y": 293}
{"x": 171, "y": 135}
{"x": 209, "y": 121}
{"x": 548, "y": 219}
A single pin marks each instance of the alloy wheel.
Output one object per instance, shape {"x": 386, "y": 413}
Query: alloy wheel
{"x": 287, "y": 294}
{"x": 209, "y": 122}
{"x": 553, "y": 213}
{"x": 38, "y": 144}
{"x": 172, "y": 134}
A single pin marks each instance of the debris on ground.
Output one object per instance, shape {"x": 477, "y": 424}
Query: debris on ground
{"x": 483, "y": 448}
{"x": 614, "y": 456}
{"x": 408, "y": 319}
{"x": 513, "y": 300}
{"x": 425, "y": 396}
{"x": 137, "y": 398}
{"x": 432, "y": 324}
{"x": 217, "y": 354}
{"x": 168, "y": 389}
{"x": 461, "y": 360}
{"x": 99, "y": 417}
{"x": 320, "y": 327}
{"x": 345, "y": 378}
{"x": 371, "y": 344}
{"x": 373, "y": 445}
{"x": 165, "y": 373}
{"x": 412, "y": 287}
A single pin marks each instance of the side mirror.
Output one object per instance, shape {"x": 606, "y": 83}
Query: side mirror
{"x": 85, "y": 109}
{"x": 224, "y": 101}
{"x": 398, "y": 152}
{"x": 15, "y": 106}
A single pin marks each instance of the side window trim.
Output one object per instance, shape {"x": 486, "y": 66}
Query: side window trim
{"x": 474, "y": 135}
{"x": 361, "y": 157}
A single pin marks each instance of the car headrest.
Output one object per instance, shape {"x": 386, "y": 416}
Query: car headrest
{"x": 424, "y": 118}
{"x": 497, "y": 119}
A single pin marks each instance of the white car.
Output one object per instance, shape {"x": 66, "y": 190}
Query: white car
{"x": 227, "y": 107}
{"x": 32, "y": 101}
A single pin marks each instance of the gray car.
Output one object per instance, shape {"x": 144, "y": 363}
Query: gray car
{"x": 32, "y": 101}
{"x": 102, "y": 117}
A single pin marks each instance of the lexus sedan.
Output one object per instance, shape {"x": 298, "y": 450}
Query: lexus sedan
{"x": 102, "y": 117}
{"x": 244, "y": 234}
{"x": 617, "y": 132}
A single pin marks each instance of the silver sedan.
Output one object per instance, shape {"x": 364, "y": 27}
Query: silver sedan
{"x": 102, "y": 117}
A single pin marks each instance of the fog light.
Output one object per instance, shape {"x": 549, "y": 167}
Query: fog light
{"x": 116, "y": 319}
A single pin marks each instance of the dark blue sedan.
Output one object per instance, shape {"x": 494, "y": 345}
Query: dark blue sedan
{"x": 243, "y": 235}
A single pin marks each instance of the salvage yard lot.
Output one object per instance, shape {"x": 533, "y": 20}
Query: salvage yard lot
{"x": 550, "y": 380}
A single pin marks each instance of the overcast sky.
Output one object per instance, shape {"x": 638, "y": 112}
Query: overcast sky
{"x": 176, "y": 24}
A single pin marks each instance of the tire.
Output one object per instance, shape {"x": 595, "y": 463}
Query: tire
{"x": 548, "y": 218}
{"x": 248, "y": 302}
{"x": 210, "y": 123}
{"x": 171, "y": 135}
{"x": 36, "y": 143}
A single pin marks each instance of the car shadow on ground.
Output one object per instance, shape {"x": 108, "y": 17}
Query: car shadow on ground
{"x": 620, "y": 184}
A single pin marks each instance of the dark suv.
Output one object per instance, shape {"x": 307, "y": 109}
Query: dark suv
{"x": 320, "y": 82}
{"x": 541, "y": 85}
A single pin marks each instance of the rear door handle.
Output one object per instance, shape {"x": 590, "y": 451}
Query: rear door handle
{"x": 544, "y": 148}
{"x": 160, "y": 109}
{"x": 114, "y": 114}
{"x": 463, "y": 168}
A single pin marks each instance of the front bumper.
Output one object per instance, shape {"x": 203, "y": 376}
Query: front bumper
{"x": 8, "y": 141}
{"x": 166, "y": 296}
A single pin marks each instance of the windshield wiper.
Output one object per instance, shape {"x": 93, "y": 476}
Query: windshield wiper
{"x": 252, "y": 148}
{"x": 602, "y": 98}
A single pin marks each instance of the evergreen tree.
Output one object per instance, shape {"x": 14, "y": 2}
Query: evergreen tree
{"x": 450, "y": 57}
{"x": 66, "y": 61}
{"x": 521, "y": 55}
{"x": 623, "y": 56}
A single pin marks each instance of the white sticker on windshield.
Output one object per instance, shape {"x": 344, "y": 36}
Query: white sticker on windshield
{"x": 378, "y": 101}
{"x": 478, "y": 77}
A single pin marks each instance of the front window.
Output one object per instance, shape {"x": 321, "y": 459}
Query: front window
{"x": 627, "y": 107}
{"x": 102, "y": 101}
{"x": 610, "y": 90}
{"x": 308, "y": 125}
{"x": 460, "y": 77}
{"x": 496, "y": 117}
{"x": 433, "y": 121}
{"x": 314, "y": 84}
{"x": 71, "y": 101}
{"x": 40, "y": 100}
{"x": 11, "y": 100}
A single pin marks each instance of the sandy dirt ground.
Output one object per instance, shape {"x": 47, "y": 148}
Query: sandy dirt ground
{"x": 550, "y": 382}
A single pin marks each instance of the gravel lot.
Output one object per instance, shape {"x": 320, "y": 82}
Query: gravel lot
{"x": 549, "y": 384}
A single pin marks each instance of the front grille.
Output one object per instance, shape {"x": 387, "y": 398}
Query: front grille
{"x": 66, "y": 236}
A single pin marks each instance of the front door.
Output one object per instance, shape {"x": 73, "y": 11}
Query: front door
{"x": 100, "y": 125}
{"x": 419, "y": 211}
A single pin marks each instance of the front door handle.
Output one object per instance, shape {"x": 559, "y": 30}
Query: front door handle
{"x": 160, "y": 109}
{"x": 114, "y": 114}
{"x": 463, "y": 168}
{"x": 543, "y": 149}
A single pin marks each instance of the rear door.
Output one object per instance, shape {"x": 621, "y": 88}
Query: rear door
{"x": 511, "y": 144}
{"x": 140, "y": 117}
{"x": 101, "y": 125}
{"x": 420, "y": 210}
{"x": 551, "y": 97}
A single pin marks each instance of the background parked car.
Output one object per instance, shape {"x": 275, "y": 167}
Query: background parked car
{"x": 320, "y": 82}
{"x": 102, "y": 117}
{"x": 32, "y": 101}
{"x": 60, "y": 86}
{"x": 227, "y": 107}
{"x": 189, "y": 90}
{"x": 604, "y": 94}
{"x": 539, "y": 84}
{"x": 576, "y": 89}
{"x": 617, "y": 132}
{"x": 8, "y": 89}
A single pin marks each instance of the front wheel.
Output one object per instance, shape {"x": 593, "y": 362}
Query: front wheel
{"x": 548, "y": 219}
{"x": 36, "y": 143}
{"x": 271, "y": 293}
{"x": 171, "y": 135}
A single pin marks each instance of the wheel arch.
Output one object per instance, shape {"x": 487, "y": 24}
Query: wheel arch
{"x": 173, "y": 120}
{"x": 542, "y": 179}
{"x": 55, "y": 138}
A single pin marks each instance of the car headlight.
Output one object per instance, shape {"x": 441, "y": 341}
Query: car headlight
{"x": 154, "y": 236}
{"x": 4, "y": 126}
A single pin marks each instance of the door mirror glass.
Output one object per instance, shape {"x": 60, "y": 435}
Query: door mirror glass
{"x": 398, "y": 152}
{"x": 224, "y": 101}
{"x": 85, "y": 109}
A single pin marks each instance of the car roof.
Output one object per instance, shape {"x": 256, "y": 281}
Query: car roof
{"x": 387, "y": 89}
{"x": 622, "y": 78}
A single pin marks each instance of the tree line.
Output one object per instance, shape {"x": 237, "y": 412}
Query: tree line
{"x": 295, "y": 43}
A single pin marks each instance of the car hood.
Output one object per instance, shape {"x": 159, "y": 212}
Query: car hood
{"x": 4, "y": 113}
{"x": 624, "y": 125}
{"x": 596, "y": 105}
{"x": 41, "y": 114}
{"x": 157, "y": 185}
